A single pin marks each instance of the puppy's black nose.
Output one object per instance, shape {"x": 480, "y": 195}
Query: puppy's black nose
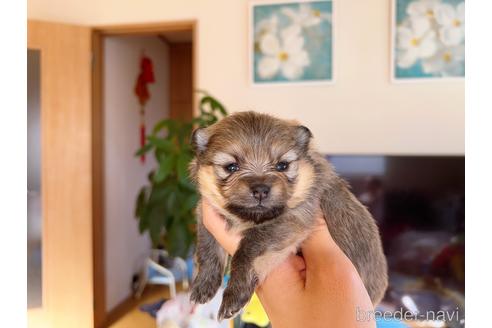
{"x": 260, "y": 191}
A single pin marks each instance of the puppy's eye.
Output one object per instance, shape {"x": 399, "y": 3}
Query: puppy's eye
{"x": 282, "y": 166}
{"x": 231, "y": 168}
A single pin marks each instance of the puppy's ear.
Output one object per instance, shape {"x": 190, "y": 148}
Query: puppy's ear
{"x": 303, "y": 136}
{"x": 199, "y": 140}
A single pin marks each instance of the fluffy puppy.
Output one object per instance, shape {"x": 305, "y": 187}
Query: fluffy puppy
{"x": 264, "y": 178}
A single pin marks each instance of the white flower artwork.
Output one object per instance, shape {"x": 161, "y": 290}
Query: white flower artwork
{"x": 428, "y": 39}
{"x": 452, "y": 24}
{"x": 305, "y": 16}
{"x": 291, "y": 42}
{"x": 286, "y": 55}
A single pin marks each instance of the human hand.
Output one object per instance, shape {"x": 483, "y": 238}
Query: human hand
{"x": 322, "y": 288}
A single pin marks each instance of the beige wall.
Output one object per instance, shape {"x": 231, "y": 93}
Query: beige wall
{"x": 361, "y": 113}
{"x": 125, "y": 249}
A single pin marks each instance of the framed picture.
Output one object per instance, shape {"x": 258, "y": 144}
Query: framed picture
{"x": 291, "y": 42}
{"x": 428, "y": 40}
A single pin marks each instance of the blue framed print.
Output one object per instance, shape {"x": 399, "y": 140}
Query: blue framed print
{"x": 291, "y": 42}
{"x": 428, "y": 40}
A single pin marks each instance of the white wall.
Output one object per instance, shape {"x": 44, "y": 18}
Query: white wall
{"x": 124, "y": 174}
{"x": 361, "y": 113}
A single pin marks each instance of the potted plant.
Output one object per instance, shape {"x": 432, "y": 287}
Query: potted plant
{"x": 165, "y": 206}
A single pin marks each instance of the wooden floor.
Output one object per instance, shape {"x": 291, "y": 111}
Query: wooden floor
{"x": 133, "y": 317}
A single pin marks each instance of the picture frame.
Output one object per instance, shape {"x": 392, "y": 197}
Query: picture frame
{"x": 325, "y": 60}
{"x": 416, "y": 72}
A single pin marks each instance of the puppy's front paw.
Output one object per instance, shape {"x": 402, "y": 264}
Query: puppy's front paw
{"x": 205, "y": 287}
{"x": 233, "y": 300}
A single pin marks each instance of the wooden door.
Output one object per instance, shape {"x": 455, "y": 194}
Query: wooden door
{"x": 181, "y": 77}
{"x": 66, "y": 175}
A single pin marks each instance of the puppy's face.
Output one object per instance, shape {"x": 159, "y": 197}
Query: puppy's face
{"x": 253, "y": 165}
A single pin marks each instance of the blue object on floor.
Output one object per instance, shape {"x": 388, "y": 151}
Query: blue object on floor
{"x": 190, "y": 266}
{"x": 389, "y": 323}
{"x": 152, "y": 308}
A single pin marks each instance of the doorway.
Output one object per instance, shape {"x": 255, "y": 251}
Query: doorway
{"x": 119, "y": 249}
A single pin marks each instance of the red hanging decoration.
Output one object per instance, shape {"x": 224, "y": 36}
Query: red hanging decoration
{"x": 145, "y": 77}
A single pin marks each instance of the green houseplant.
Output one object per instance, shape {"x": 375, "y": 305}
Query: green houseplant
{"x": 165, "y": 206}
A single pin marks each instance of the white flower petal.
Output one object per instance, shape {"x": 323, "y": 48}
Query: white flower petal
{"x": 453, "y": 69}
{"x": 291, "y": 71}
{"x": 305, "y": 16}
{"x": 293, "y": 45}
{"x": 416, "y": 8}
{"x": 407, "y": 58}
{"x": 423, "y": 8}
{"x": 460, "y": 12}
{"x": 458, "y": 52}
{"x": 445, "y": 14}
{"x": 420, "y": 25}
{"x": 451, "y": 36}
{"x": 446, "y": 62}
{"x": 291, "y": 31}
{"x": 432, "y": 65}
{"x": 403, "y": 36}
{"x": 268, "y": 25}
{"x": 427, "y": 48}
{"x": 273, "y": 23}
{"x": 289, "y": 12}
{"x": 268, "y": 67}
{"x": 304, "y": 9}
{"x": 311, "y": 21}
{"x": 269, "y": 44}
{"x": 300, "y": 59}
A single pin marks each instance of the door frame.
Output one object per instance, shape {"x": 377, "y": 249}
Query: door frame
{"x": 102, "y": 317}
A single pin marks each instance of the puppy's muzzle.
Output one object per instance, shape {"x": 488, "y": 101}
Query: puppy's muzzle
{"x": 260, "y": 191}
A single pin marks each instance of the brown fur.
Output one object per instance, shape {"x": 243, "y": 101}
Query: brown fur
{"x": 273, "y": 226}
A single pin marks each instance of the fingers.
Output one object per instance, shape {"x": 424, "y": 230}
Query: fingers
{"x": 217, "y": 226}
{"x": 288, "y": 275}
{"x": 319, "y": 246}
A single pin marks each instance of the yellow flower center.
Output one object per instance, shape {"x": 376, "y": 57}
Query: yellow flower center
{"x": 283, "y": 56}
{"x": 415, "y": 42}
{"x": 430, "y": 13}
{"x": 316, "y": 13}
{"x": 447, "y": 57}
{"x": 456, "y": 23}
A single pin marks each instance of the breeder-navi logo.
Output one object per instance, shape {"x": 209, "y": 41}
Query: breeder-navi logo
{"x": 442, "y": 316}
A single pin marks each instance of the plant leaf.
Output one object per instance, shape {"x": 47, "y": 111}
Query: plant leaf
{"x": 164, "y": 170}
{"x": 169, "y": 124}
{"x": 143, "y": 224}
{"x": 165, "y": 207}
{"x": 188, "y": 204}
{"x": 182, "y": 165}
{"x": 155, "y": 224}
{"x": 216, "y": 105}
{"x": 159, "y": 194}
{"x": 160, "y": 143}
{"x": 144, "y": 149}
{"x": 178, "y": 243}
{"x": 141, "y": 203}
{"x": 171, "y": 201}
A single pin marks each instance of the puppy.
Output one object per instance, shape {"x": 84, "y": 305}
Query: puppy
{"x": 261, "y": 174}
